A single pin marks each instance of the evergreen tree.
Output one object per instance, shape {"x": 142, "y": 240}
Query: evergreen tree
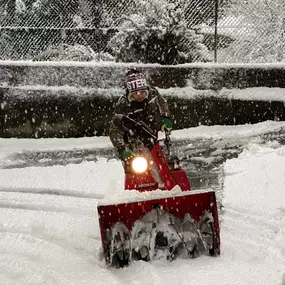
{"x": 157, "y": 33}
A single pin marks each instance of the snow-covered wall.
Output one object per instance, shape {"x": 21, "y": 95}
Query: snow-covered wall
{"x": 77, "y": 99}
{"x": 111, "y": 74}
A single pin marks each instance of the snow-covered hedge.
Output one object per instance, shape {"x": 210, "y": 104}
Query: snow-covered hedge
{"x": 111, "y": 75}
{"x": 76, "y": 112}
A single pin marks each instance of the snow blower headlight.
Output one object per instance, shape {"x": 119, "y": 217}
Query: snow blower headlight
{"x": 139, "y": 164}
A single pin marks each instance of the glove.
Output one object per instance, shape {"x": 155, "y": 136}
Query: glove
{"x": 166, "y": 125}
{"x": 127, "y": 154}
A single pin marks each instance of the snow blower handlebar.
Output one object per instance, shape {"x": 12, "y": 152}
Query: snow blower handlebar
{"x": 140, "y": 130}
{"x": 167, "y": 143}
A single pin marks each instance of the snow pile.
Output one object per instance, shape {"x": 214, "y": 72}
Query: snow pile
{"x": 253, "y": 221}
{"x": 230, "y": 132}
{"x": 248, "y": 94}
{"x": 122, "y": 197}
{"x": 257, "y": 188}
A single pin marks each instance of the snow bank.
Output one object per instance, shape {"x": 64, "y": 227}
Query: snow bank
{"x": 256, "y": 179}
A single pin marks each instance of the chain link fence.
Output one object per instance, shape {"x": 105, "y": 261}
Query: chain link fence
{"x": 231, "y": 30}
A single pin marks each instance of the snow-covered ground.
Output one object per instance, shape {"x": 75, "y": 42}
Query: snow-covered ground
{"x": 49, "y": 232}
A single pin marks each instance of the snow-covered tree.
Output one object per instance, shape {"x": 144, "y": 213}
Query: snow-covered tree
{"x": 157, "y": 33}
{"x": 76, "y": 52}
{"x": 262, "y": 35}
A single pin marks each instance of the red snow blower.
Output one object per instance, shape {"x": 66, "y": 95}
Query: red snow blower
{"x": 164, "y": 219}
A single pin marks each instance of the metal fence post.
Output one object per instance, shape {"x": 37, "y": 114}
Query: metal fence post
{"x": 216, "y": 30}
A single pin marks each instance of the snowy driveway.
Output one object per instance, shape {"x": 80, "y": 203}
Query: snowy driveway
{"x": 49, "y": 225}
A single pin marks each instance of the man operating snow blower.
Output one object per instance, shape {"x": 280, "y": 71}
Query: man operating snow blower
{"x": 141, "y": 102}
{"x": 162, "y": 218}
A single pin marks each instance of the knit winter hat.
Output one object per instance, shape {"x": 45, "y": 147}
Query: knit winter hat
{"x": 135, "y": 81}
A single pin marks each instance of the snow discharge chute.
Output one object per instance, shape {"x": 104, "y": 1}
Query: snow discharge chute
{"x": 164, "y": 219}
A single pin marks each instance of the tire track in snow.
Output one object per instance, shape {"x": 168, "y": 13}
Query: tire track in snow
{"x": 255, "y": 232}
{"x": 23, "y": 260}
{"x": 54, "y": 239}
{"x": 27, "y": 200}
{"x": 29, "y": 259}
{"x": 54, "y": 192}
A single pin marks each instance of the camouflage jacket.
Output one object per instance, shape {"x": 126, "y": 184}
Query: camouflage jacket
{"x": 149, "y": 111}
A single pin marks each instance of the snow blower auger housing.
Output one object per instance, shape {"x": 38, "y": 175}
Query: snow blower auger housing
{"x": 163, "y": 218}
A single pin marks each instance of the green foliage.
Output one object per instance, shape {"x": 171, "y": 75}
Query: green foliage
{"x": 157, "y": 34}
